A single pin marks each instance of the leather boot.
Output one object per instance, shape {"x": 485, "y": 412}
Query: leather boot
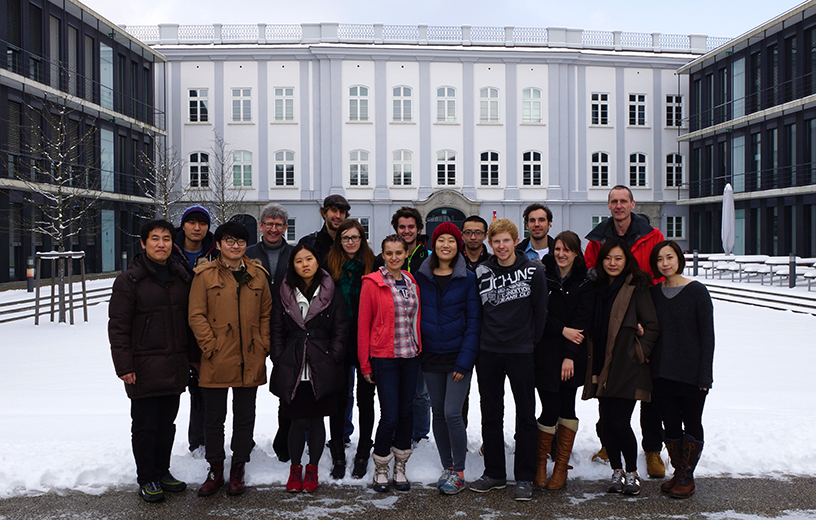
{"x": 675, "y": 449}
{"x": 338, "y": 455}
{"x": 361, "y": 459}
{"x": 654, "y": 465}
{"x": 236, "y": 482}
{"x": 381, "y": 471}
{"x": 400, "y": 458}
{"x": 567, "y": 429}
{"x": 692, "y": 448}
{"x": 545, "y": 438}
{"x": 215, "y": 479}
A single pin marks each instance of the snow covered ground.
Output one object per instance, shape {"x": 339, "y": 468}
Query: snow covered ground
{"x": 65, "y": 424}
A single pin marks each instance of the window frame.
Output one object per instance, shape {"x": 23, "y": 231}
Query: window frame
{"x": 448, "y": 162}
{"x": 287, "y": 105}
{"x": 530, "y": 104}
{"x": 489, "y": 169}
{"x": 198, "y": 164}
{"x": 360, "y": 163}
{"x": 399, "y": 170}
{"x": 602, "y": 108}
{"x": 637, "y": 110}
{"x": 641, "y": 170}
{"x": 489, "y": 105}
{"x": 200, "y": 101}
{"x": 402, "y": 103}
{"x": 674, "y": 170}
{"x": 448, "y": 106}
{"x": 531, "y": 162}
{"x": 671, "y": 235}
{"x": 244, "y": 106}
{"x": 674, "y": 111}
{"x": 284, "y": 169}
{"x": 602, "y": 171}
{"x": 358, "y": 103}
{"x": 243, "y": 168}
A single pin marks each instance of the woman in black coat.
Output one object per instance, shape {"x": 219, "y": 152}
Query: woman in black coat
{"x": 309, "y": 329}
{"x": 561, "y": 355}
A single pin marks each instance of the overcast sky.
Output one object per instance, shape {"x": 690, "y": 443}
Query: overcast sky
{"x": 711, "y": 17}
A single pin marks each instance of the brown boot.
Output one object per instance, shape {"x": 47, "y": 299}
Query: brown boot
{"x": 675, "y": 449}
{"x": 601, "y": 456}
{"x": 654, "y": 465}
{"x": 215, "y": 479}
{"x": 692, "y": 448}
{"x": 545, "y": 438}
{"x": 236, "y": 482}
{"x": 565, "y": 439}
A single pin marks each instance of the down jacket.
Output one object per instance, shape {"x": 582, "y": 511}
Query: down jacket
{"x": 644, "y": 235}
{"x": 148, "y": 329}
{"x": 233, "y": 334}
{"x": 452, "y": 317}
{"x": 626, "y": 373}
{"x": 318, "y": 341}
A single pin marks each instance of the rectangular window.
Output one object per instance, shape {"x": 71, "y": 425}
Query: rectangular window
{"x": 199, "y": 170}
{"x": 674, "y": 111}
{"x": 242, "y": 169}
{"x": 756, "y": 162}
{"x": 489, "y": 169}
{"x": 708, "y": 100}
{"x": 358, "y": 168}
{"x": 674, "y": 227}
{"x": 531, "y": 105}
{"x": 597, "y": 219}
{"x": 402, "y": 104}
{"x": 284, "y": 104}
{"x": 600, "y": 108}
{"x": 489, "y": 105}
{"x": 54, "y": 45}
{"x": 106, "y": 76}
{"x": 358, "y": 104}
{"x": 637, "y": 170}
{"x": 738, "y": 163}
{"x": 531, "y": 168}
{"x": 291, "y": 234}
{"x": 773, "y": 144}
{"x": 446, "y": 168}
{"x": 446, "y": 105}
{"x": 198, "y": 105}
{"x": 600, "y": 169}
{"x": 756, "y": 83}
{"x": 403, "y": 168}
{"x": 285, "y": 168}
{"x": 773, "y": 76}
{"x": 241, "y": 105}
{"x": 674, "y": 170}
{"x": 366, "y": 223}
{"x": 738, "y": 88}
{"x": 637, "y": 109}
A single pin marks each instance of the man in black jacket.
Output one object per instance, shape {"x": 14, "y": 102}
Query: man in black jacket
{"x": 334, "y": 211}
{"x": 152, "y": 348}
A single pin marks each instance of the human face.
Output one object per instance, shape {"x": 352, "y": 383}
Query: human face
{"x": 538, "y": 224}
{"x": 273, "y": 230}
{"x": 614, "y": 263}
{"x": 394, "y": 255}
{"x": 563, "y": 256}
{"x": 334, "y": 217}
{"x": 351, "y": 240}
{"x": 474, "y": 235}
{"x": 159, "y": 245}
{"x": 195, "y": 231}
{"x": 305, "y": 265}
{"x": 667, "y": 261}
{"x": 407, "y": 229}
{"x": 232, "y": 248}
{"x": 620, "y": 205}
{"x": 446, "y": 247}
{"x": 504, "y": 247}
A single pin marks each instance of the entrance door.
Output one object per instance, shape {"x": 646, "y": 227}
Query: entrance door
{"x": 440, "y": 215}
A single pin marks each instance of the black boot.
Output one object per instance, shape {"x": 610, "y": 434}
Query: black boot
{"x": 361, "y": 459}
{"x": 338, "y": 455}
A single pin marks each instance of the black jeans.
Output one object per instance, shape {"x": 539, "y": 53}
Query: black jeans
{"x": 618, "y": 437}
{"x": 682, "y": 414}
{"x": 651, "y": 426}
{"x": 195, "y": 430}
{"x": 492, "y": 368}
{"x": 152, "y": 432}
{"x": 243, "y": 422}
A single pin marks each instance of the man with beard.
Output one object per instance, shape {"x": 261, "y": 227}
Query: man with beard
{"x": 334, "y": 211}
{"x": 538, "y": 220}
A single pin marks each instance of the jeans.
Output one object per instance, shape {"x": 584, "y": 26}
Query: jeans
{"x": 449, "y": 429}
{"x": 152, "y": 432}
{"x": 422, "y": 410}
{"x": 243, "y": 422}
{"x": 396, "y": 380}
{"x": 492, "y": 368}
{"x": 651, "y": 426}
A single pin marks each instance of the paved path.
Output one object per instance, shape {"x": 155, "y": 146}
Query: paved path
{"x": 716, "y": 499}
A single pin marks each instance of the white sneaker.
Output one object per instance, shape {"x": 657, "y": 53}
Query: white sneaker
{"x": 199, "y": 453}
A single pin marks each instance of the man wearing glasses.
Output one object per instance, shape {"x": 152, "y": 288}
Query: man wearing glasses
{"x": 474, "y": 232}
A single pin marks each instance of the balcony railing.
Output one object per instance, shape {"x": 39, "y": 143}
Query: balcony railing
{"x": 507, "y": 36}
{"x": 790, "y": 176}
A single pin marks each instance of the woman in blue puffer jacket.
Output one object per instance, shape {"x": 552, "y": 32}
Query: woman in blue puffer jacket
{"x": 451, "y": 319}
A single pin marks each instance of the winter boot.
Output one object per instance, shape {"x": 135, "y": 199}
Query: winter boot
{"x": 236, "y": 482}
{"x": 361, "y": 459}
{"x": 338, "y": 455}
{"x": 381, "y": 471}
{"x": 310, "y": 480}
{"x": 565, "y": 439}
{"x": 692, "y": 448}
{"x": 654, "y": 465}
{"x": 545, "y": 438}
{"x": 675, "y": 449}
{"x": 601, "y": 456}
{"x": 215, "y": 479}
{"x": 400, "y": 458}
{"x": 295, "y": 482}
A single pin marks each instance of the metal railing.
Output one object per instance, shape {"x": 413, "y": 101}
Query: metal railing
{"x": 789, "y": 176}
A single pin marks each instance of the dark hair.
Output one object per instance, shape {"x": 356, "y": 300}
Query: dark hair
{"x": 233, "y": 229}
{"x": 394, "y": 238}
{"x": 640, "y": 278}
{"x": 681, "y": 259}
{"x": 572, "y": 242}
{"x": 407, "y": 212}
{"x": 434, "y": 260}
{"x": 535, "y": 207}
{"x": 292, "y": 278}
{"x": 475, "y": 218}
{"x": 621, "y": 187}
{"x": 337, "y": 256}
{"x": 148, "y": 227}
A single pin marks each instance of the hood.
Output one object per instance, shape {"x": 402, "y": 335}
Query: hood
{"x": 323, "y": 300}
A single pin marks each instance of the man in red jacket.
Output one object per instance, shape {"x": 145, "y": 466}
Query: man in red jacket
{"x": 636, "y": 231}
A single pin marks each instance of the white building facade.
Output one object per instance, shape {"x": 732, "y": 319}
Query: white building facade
{"x": 455, "y": 121}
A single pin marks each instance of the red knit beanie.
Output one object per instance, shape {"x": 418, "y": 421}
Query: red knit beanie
{"x": 447, "y": 228}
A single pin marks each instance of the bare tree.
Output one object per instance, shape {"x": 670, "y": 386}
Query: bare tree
{"x": 163, "y": 182}
{"x": 224, "y": 197}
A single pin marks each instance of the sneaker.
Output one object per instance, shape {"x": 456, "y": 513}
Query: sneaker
{"x": 172, "y": 484}
{"x": 151, "y": 492}
{"x": 446, "y": 473}
{"x": 295, "y": 482}
{"x": 631, "y": 483}
{"x": 453, "y": 484}
{"x": 616, "y": 483}
{"x": 485, "y": 484}
{"x": 523, "y": 490}
{"x": 199, "y": 453}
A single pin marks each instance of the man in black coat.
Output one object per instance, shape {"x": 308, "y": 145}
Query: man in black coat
{"x": 152, "y": 348}
{"x": 334, "y": 211}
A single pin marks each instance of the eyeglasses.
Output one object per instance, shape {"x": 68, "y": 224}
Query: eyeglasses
{"x": 351, "y": 240}
{"x": 273, "y": 225}
{"x": 473, "y": 233}
{"x": 235, "y": 242}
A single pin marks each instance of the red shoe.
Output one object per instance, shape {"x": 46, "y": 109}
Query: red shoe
{"x": 310, "y": 482}
{"x": 295, "y": 483}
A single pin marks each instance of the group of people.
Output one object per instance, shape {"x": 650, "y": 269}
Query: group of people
{"x": 412, "y": 323}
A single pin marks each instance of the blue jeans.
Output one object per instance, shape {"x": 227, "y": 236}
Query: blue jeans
{"x": 449, "y": 429}
{"x": 422, "y": 410}
{"x": 396, "y": 380}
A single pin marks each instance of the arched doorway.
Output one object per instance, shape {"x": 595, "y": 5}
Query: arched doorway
{"x": 440, "y": 215}
{"x": 251, "y": 224}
